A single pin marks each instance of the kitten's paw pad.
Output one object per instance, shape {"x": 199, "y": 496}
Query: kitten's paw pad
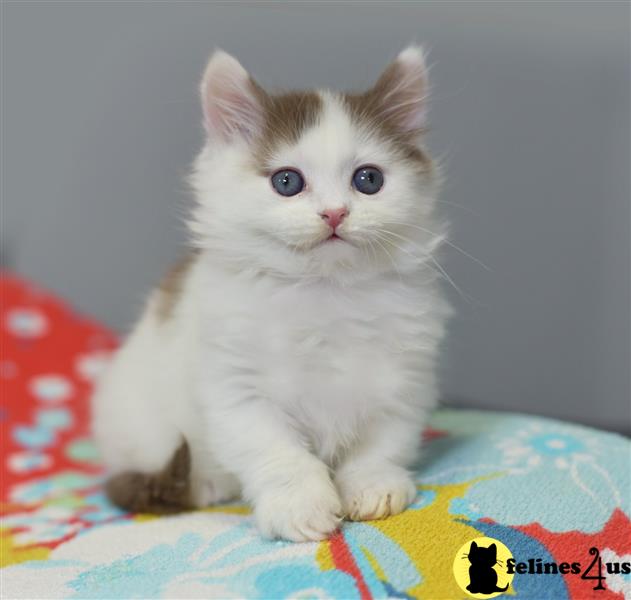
{"x": 376, "y": 497}
{"x": 307, "y": 513}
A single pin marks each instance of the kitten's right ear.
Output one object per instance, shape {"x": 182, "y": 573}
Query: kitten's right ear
{"x": 231, "y": 100}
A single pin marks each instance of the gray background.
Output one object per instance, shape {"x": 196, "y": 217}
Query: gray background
{"x": 530, "y": 113}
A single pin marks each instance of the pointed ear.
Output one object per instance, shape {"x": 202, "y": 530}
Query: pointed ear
{"x": 402, "y": 89}
{"x": 473, "y": 547}
{"x": 231, "y": 100}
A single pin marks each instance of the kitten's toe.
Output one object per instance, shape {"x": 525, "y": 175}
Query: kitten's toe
{"x": 308, "y": 512}
{"x": 375, "y": 495}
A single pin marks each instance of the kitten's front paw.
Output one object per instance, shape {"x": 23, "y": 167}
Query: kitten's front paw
{"x": 368, "y": 495}
{"x": 308, "y": 511}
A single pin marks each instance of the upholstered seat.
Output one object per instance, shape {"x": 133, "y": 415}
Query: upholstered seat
{"x": 545, "y": 489}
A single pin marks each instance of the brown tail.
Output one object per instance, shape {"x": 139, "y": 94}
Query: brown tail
{"x": 165, "y": 492}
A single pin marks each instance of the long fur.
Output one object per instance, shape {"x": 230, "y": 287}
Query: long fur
{"x": 300, "y": 371}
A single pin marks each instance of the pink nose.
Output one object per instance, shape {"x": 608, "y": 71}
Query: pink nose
{"x": 333, "y": 216}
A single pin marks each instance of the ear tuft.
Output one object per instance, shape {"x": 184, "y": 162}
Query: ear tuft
{"x": 402, "y": 90}
{"x": 231, "y": 100}
{"x": 413, "y": 55}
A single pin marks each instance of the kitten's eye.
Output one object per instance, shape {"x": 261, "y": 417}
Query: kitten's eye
{"x": 288, "y": 182}
{"x": 368, "y": 180}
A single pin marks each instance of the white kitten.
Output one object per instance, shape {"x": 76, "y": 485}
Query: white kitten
{"x": 292, "y": 357}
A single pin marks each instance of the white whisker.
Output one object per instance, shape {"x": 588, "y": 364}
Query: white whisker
{"x": 462, "y": 206}
{"x": 448, "y": 278}
{"x": 440, "y": 268}
{"x": 394, "y": 264}
{"x": 445, "y": 240}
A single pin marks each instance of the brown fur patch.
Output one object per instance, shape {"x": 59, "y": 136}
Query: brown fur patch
{"x": 286, "y": 116}
{"x": 165, "y": 492}
{"x": 170, "y": 288}
{"x": 369, "y": 108}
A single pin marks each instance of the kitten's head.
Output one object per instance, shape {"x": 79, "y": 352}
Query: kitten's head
{"x": 481, "y": 556}
{"x": 316, "y": 183}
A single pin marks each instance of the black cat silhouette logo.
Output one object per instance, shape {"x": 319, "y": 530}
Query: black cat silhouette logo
{"x": 480, "y": 568}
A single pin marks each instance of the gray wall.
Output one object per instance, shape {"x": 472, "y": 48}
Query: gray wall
{"x": 530, "y": 114}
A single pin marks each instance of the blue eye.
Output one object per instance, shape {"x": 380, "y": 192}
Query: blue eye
{"x": 287, "y": 182}
{"x": 368, "y": 180}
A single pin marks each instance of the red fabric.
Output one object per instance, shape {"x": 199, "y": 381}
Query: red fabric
{"x": 344, "y": 561}
{"x": 614, "y": 536}
{"x": 46, "y": 354}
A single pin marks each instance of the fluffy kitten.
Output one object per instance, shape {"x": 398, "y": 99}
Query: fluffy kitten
{"x": 292, "y": 357}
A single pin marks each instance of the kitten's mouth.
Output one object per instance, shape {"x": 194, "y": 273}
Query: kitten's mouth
{"x": 333, "y": 239}
{"x": 336, "y": 238}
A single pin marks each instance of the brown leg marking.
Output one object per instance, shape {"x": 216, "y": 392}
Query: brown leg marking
{"x": 165, "y": 492}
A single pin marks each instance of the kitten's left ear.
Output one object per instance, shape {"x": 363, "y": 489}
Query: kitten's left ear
{"x": 401, "y": 91}
{"x": 231, "y": 100}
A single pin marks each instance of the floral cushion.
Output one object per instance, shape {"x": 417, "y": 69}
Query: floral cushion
{"x": 548, "y": 491}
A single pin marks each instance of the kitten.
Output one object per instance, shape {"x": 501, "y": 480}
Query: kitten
{"x": 291, "y": 358}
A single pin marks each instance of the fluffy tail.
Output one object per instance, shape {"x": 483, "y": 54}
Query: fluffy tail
{"x": 166, "y": 492}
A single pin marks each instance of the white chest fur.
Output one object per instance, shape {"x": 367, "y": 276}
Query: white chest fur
{"x": 329, "y": 357}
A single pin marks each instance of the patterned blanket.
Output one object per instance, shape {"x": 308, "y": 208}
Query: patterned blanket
{"x": 551, "y": 499}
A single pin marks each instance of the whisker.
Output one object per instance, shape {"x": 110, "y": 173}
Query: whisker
{"x": 442, "y": 271}
{"x": 394, "y": 264}
{"x": 419, "y": 258}
{"x": 374, "y": 254}
{"x": 401, "y": 237}
{"x": 446, "y": 241}
{"x": 446, "y": 275}
{"x": 462, "y": 206}
{"x": 397, "y": 246}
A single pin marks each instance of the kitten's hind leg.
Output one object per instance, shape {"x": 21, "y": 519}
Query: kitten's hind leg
{"x": 211, "y": 485}
{"x": 177, "y": 487}
{"x": 164, "y": 492}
